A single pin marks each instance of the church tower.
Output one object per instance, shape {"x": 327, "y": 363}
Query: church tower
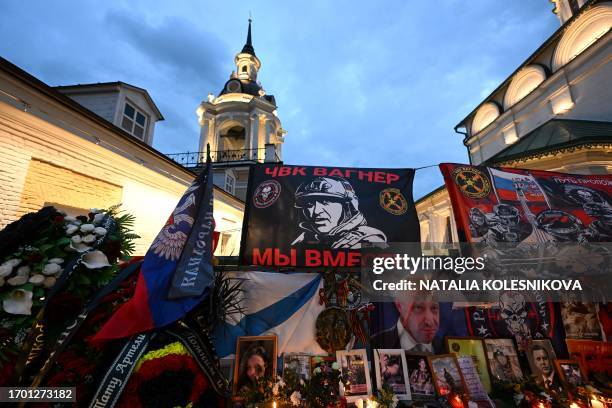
{"x": 240, "y": 124}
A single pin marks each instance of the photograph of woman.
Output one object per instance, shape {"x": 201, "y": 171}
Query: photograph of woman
{"x": 256, "y": 357}
{"x": 503, "y": 360}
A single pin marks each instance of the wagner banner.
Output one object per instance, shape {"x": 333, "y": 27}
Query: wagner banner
{"x": 503, "y": 205}
{"x": 306, "y": 216}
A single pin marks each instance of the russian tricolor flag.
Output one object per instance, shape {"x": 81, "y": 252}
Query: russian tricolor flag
{"x": 508, "y": 184}
{"x": 177, "y": 272}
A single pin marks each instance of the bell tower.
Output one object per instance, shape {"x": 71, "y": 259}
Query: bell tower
{"x": 240, "y": 124}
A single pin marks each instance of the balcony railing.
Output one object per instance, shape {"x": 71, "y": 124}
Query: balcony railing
{"x": 197, "y": 159}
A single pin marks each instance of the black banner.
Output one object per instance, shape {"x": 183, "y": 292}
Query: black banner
{"x": 305, "y": 216}
{"x": 202, "y": 350}
{"x": 118, "y": 374}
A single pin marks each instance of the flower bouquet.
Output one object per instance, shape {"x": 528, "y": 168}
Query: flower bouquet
{"x": 51, "y": 264}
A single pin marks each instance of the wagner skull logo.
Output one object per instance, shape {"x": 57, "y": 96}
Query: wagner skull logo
{"x": 514, "y": 312}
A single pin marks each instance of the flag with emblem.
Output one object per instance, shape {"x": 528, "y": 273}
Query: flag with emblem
{"x": 176, "y": 273}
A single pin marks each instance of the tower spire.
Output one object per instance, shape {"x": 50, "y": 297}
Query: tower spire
{"x": 248, "y": 47}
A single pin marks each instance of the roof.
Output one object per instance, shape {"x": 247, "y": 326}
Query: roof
{"x": 248, "y": 46}
{"x": 69, "y": 103}
{"x": 556, "y": 134}
{"x": 249, "y": 88}
{"x": 541, "y": 49}
{"x": 68, "y": 88}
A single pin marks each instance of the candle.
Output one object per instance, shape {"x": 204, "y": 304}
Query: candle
{"x": 274, "y": 404}
{"x": 574, "y": 405}
{"x": 595, "y": 403}
{"x": 456, "y": 402}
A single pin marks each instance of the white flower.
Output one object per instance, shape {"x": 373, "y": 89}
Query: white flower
{"x": 88, "y": 239}
{"x": 394, "y": 401}
{"x": 12, "y": 262}
{"x": 51, "y": 269}
{"x": 359, "y": 403}
{"x": 58, "y": 261}
{"x": 80, "y": 247}
{"x": 17, "y": 280}
{"x": 19, "y": 302}
{"x": 302, "y": 383}
{"x": 70, "y": 218}
{"x": 5, "y": 270}
{"x": 100, "y": 231}
{"x": 37, "y": 279}
{"x": 275, "y": 388}
{"x": 317, "y": 370}
{"x": 49, "y": 282}
{"x": 95, "y": 260}
{"x": 76, "y": 239}
{"x": 295, "y": 398}
{"x": 71, "y": 229}
{"x": 87, "y": 228}
{"x": 98, "y": 218}
{"x": 23, "y": 270}
{"x": 335, "y": 366}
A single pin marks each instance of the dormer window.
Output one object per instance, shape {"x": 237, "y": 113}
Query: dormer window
{"x": 134, "y": 121}
{"x": 244, "y": 68}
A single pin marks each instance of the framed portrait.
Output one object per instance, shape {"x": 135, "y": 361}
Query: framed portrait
{"x": 419, "y": 377}
{"x": 390, "y": 367}
{"x": 255, "y": 358}
{"x": 502, "y": 360}
{"x": 447, "y": 376}
{"x": 541, "y": 357}
{"x": 471, "y": 347}
{"x": 581, "y": 321}
{"x": 354, "y": 367}
{"x": 571, "y": 374}
{"x": 299, "y": 363}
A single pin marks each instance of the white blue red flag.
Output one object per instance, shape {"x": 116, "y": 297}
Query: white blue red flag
{"x": 176, "y": 273}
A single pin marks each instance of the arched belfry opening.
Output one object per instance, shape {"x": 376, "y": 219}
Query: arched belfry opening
{"x": 233, "y": 138}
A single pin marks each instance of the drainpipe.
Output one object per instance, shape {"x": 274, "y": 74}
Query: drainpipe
{"x": 465, "y": 137}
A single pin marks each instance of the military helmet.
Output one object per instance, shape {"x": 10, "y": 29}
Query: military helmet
{"x": 333, "y": 189}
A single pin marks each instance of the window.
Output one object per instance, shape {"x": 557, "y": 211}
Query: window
{"x": 134, "y": 121}
{"x": 244, "y": 68}
{"x": 230, "y": 182}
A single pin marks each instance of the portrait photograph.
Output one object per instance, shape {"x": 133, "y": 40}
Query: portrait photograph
{"x": 541, "y": 357}
{"x": 299, "y": 363}
{"x": 354, "y": 367}
{"x": 447, "y": 375}
{"x": 571, "y": 374}
{"x": 502, "y": 360}
{"x": 255, "y": 359}
{"x": 420, "y": 379}
{"x": 581, "y": 320}
{"x": 390, "y": 367}
{"x": 471, "y": 347}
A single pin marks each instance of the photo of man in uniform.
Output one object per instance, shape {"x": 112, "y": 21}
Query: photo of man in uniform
{"x": 331, "y": 216}
{"x": 417, "y": 325}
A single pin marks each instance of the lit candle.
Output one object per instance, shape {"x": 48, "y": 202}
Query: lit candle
{"x": 574, "y": 405}
{"x": 595, "y": 403}
{"x": 456, "y": 402}
{"x": 274, "y": 404}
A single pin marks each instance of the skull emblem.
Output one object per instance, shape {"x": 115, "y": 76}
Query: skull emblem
{"x": 265, "y": 192}
{"x": 514, "y": 312}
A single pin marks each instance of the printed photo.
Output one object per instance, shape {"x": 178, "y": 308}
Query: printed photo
{"x": 354, "y": 366}
{"x": 541, "y": 357}
{"x": 580, "y": 320}
{"x": 419, "y": 377}
{"x": 570, "y": 373}
{"x": 256, "y": 358}
{"x": 391, "y": 370}
{"x": 447, "y": 375}
{"x": 471, "y": 347}
{"x": 299, "y": 363}
{"x": 502, "y": 360}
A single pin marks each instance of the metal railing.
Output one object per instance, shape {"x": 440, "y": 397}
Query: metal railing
{"x": 197, "y": 159}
